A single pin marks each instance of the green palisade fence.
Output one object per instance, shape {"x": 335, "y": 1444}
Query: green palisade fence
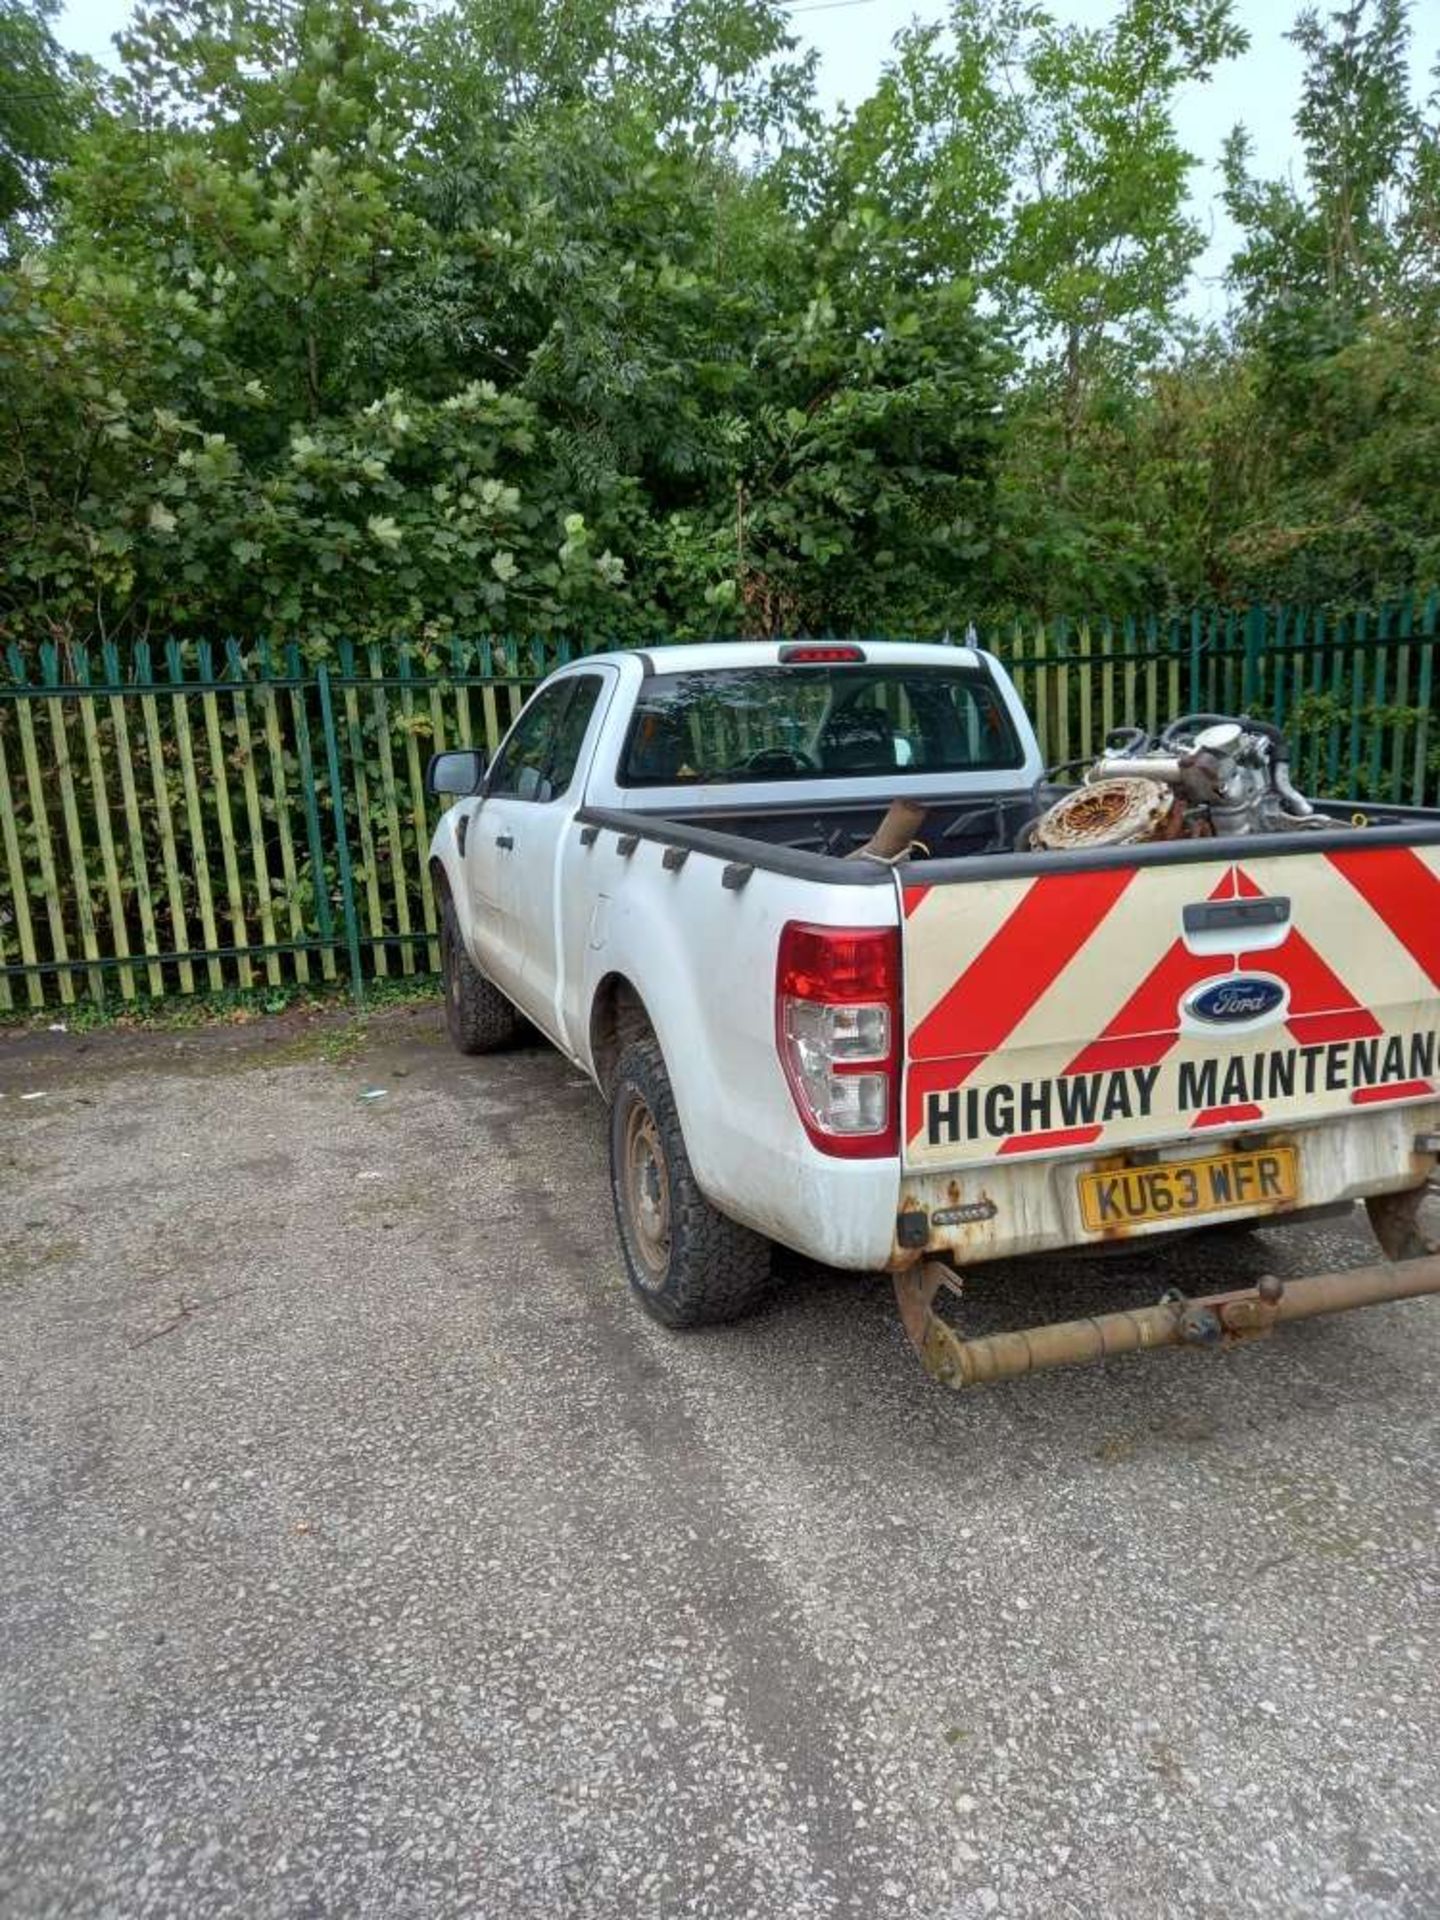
{"x": 1356, "y": 692}
{"x": 190, "y": 819}
{"x": 180, "y": 819}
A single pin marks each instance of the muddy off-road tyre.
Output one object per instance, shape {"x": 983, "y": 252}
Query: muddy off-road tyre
{"x": 688, "y": 1264}
{"x": 478, "y": 1016}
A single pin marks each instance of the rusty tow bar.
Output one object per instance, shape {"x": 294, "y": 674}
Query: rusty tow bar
{"x": 1216, "y": 1320}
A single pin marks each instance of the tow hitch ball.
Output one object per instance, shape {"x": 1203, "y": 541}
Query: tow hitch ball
{"x": 1202, "y": 1324}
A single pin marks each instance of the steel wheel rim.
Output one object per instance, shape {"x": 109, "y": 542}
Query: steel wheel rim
{"x": 647, "y": 1189}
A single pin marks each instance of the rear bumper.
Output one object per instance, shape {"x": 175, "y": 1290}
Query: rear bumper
{"x": 1001, "y": 1211}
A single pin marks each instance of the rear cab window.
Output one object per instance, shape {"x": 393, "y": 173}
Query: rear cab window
{"x": 781, "y": 722}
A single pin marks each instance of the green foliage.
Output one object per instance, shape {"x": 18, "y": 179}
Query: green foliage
{"x": 1043, "y": 160}
{"x": 1341, "y": 738}
{"x": 43, "y": 95}
{"x": 354, "y": 317}
{"x": 1338, "y": 280}
{"x": 1358, "y": 233}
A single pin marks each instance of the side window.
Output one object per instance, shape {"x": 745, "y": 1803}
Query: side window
{"x": 570, "y": 733}
{"x": 538, "y": 760}
{"x": 520, "y": 768}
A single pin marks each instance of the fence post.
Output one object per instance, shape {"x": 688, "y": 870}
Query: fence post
{"x": 1250, "y": 687}
{"x": 342, "y": 839}
{"x": 1423, "y": 701}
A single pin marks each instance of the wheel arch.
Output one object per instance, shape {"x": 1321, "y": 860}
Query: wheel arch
{"x": 444, "y": 862}
{"x": 618, "y": 1015}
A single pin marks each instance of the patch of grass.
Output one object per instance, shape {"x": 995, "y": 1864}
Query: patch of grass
{"x": 20, "y": 1260}
{"x": 230, "y": 1006}
{"x": 331, "y": 1045}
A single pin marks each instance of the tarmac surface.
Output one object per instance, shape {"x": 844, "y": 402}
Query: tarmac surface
{"x": 364, "y": 1551}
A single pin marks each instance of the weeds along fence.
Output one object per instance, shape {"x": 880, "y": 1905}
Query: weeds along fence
{"x": 192, "y": 818}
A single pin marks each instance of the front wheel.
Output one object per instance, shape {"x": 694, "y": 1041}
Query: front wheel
{"x": 477, "y": 1015}
{"x": 689, "y": 1265}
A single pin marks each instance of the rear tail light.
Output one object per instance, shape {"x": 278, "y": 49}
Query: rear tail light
{"x": 837, "y": 1024}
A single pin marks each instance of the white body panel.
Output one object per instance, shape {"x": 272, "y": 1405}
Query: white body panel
{"x": 564, "y": 911}
{"x": 702, "y": 958}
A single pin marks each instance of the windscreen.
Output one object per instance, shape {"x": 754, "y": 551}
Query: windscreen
{"x": 800, "y": 722}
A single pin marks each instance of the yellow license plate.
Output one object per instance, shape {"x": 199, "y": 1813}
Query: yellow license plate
{"x": 1136, "y": 1196}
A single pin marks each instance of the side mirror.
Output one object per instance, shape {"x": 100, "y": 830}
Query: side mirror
{"x": 459, "y": 772}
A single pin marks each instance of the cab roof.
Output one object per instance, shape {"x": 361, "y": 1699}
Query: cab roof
{"x": 713, "y": 656}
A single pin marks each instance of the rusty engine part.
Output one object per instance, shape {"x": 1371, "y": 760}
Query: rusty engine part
{"x": 1203, "y": 774}
{"x": 895, "y": 835}
{"x": 1124, "y": 812}
{"x": 1217, "y": 1320}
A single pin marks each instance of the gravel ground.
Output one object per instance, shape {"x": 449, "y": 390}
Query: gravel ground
{"x": 365, "y": 1552}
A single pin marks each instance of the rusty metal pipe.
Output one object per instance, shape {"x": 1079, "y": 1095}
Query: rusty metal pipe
{"x": 903, "y": 820}
{"x": 1219, "y": 1319}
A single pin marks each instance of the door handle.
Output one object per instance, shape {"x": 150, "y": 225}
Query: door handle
{"x": 1240, "y": 916}
{"x": 505, "y": 840}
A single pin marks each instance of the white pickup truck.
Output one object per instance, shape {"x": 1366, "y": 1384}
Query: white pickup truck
{"x": 855, "y": 979}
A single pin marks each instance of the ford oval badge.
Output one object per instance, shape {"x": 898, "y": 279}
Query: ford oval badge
{"x": 1241, "y": 999}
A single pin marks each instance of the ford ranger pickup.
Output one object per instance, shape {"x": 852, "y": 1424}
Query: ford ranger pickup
{"x": 857, "y": 977}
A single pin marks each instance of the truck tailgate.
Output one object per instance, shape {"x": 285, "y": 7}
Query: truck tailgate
{"x": 1090, "y": 1008}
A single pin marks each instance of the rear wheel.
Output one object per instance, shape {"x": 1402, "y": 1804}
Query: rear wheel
{"x": 478, "y": 1016}
{"x": 688, "y": 1264}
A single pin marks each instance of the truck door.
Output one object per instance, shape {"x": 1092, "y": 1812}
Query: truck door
{"x": 512, "y": 849}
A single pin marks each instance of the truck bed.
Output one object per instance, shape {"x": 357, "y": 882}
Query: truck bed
{"x": 814, "y": 841}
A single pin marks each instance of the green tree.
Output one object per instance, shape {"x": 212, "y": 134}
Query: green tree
{"x": 1040, "y": 162}
{"x": 496, "y": 316}
{"x": 350, "y": 316}
{"x": 1043, "y": 161}
{"x": 42, "y": 98}
{"x": 1336, "y": 281}
{"x": 202, "y": 428}
{"x": 1358, "y": 231}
